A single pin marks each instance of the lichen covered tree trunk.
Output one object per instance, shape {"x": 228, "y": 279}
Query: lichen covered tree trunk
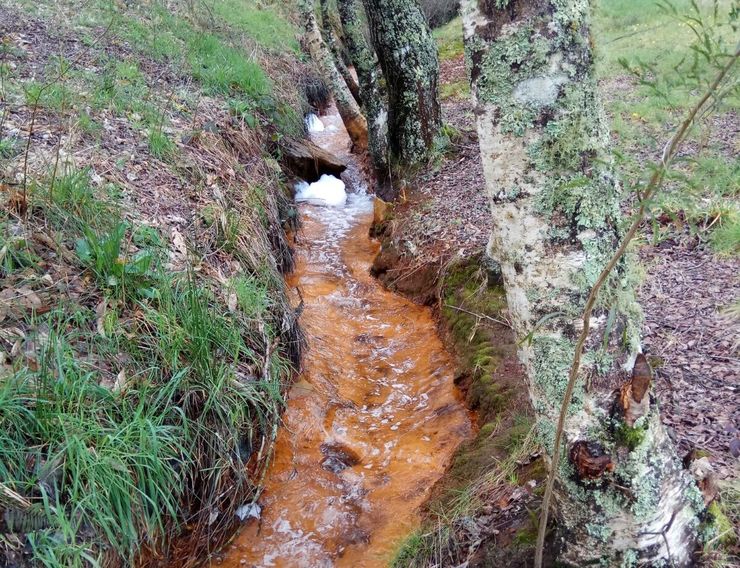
{"x": 408, "y": 58}
{"x": 331, "y": 41}
{"x": 621, "y": 494}
{"x": 365, "y": 63}
{"x": 347, "y": 106}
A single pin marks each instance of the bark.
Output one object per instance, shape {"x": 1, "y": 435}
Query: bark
{"x": 621, "y": 494}
{"x": 408, "y": 58}
{"x": 331, "y": 41}
{"x": 365, "y": 63}
{"x": 352, "y": 117}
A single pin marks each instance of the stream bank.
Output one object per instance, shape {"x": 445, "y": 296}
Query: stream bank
{"x": 483, "y": 510}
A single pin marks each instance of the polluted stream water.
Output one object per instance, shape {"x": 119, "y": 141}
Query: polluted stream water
{"x": 373, "y": 419}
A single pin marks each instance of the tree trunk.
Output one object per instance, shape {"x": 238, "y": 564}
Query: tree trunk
{"x": 621, "y": 494}
{"x": 331, "y": 41}
{"x": 408, "y": 57}
{"x": 352, "y": 117}
{"x": 364, "y": 61}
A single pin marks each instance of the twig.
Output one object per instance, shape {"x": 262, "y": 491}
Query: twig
{"x": 475, "y": 314}
{"x": 652, "y": 187}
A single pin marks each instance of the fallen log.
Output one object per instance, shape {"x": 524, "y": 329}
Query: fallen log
{"x": 308, "y": 161}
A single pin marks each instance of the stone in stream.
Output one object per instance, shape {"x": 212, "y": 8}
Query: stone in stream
{"x": 338, "y": 457}
{"x": 306, "y": 160}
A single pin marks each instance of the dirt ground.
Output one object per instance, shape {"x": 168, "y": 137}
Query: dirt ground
{"x": 688, "y": 333}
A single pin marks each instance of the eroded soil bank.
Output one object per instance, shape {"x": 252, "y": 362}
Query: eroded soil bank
{"x": 374, "y": 418}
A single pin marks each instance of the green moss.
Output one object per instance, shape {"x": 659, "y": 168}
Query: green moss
{"x": 475, "y": 457}
{"x": 629, "y": 436}
{"x": 719, "y": 526}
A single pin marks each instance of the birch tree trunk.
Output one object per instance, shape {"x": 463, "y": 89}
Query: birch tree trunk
{"x": 331, "y": 41}
{"x": 352, "y": 117}
{"x": 408, "y": 58}
{"x": 621, "y": 494}
{"x": 365, "y": 63}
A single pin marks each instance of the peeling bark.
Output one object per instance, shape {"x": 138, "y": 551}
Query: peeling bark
{"x": 365, "y": 63}
{"x": 331, "y": 41}
{"x": 352, "y": 117}
{"x": 621, "y": 494}
{"x": 408, "y": 57}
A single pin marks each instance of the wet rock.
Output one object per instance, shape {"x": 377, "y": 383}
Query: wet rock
{"x": 338, "y": 457}
{"x": 308, "y": 161}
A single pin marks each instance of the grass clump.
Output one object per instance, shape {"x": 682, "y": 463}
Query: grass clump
{"x": 69, "y": 202}
{"x": 108, "y": 471}
{"x": 100, "y": 460}
{"x": 263, "y": 24}
{"x": 9, "y": 147}
{"x": 224, "y": 70}
{"x": 160, "y": 145}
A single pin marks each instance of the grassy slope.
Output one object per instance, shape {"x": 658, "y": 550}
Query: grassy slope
{"x": 705, "y": 191}
{"x": 147, "y": 337}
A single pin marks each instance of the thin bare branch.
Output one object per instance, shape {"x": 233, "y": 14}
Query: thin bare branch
{"x": 651, "y": 189}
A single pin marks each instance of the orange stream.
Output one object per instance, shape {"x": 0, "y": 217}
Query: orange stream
{"x": 374, "y": 418}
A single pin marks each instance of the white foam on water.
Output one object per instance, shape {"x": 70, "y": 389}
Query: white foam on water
{"x": 328, "y": 190}
{"x": 313, "y": 123}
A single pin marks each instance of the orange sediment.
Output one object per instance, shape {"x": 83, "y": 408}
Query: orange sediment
{"x": 371, "y": 422}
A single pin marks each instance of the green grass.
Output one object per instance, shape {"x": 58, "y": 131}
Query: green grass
{"x": 211, "y": 51}
{"x": 224, "y": 70}
{"x": 264, "y": 25}
{"x": 9, "y": 147}
{"x": 53, "y": 96}
{"x": 637, "y": 30}
{"x": 147, "y": 394}
{"x": 70, "y": 203}
{"x": 449, "y": 39}
{"x": 456, "y": 90}
{"x": 702, "y": 193}
{"x": 115, "y": 469}
{"x": 102, "y": 460}
{"x": 160, "y": 145}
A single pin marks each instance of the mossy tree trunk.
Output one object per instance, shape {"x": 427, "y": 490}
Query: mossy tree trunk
{"x": 347, "y": 106}
{"x": 331, "y": 42}
{"x": 408, "y": 57}
{"x": 365, "y": 63}
{"x": 621, "y": 494}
